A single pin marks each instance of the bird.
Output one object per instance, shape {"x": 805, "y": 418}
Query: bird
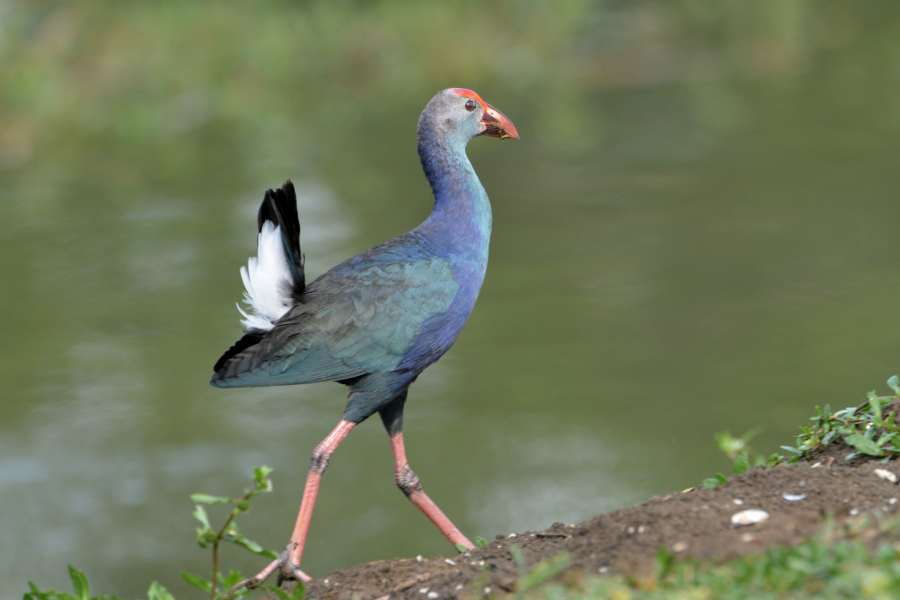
{"x": 376, "y": 321}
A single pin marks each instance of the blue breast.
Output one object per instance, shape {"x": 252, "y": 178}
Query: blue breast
{"x": 459, "y": 230}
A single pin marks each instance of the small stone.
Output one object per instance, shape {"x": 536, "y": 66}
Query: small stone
{"x": 325, "y": 581}
{"x": 679, "y": 547}
{"x": 886, "y": 475}
{"x": 630, "y": 530}
{"x": 793, "y": 497}
{"x": 750, "y": 516}
{"x": 450, "y": 562}
{"x": 432, "y": 595}
{"x": 738, "y": 501}
{"x": 511, "y": 536}
{"x": 747, "y": 537}
{"x": 458, "y": 587}
{"x": 816, "y": 465}
{"x": 419, "y": 558}
{"x": 487, "y": 589}
{"x": 423, "y": 590}
{"x": 480, "y": 563}
{"x": 686, "y": 490}
{"x": 892, "y": 501}
{"x": 641, "y": 529}
{"x": 603, "y": 570}
{"x": 854, "y": 512}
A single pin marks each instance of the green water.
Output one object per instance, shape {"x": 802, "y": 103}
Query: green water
{"x": 698, "y": 231}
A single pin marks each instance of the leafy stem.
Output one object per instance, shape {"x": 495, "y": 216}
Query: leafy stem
{"x": 209, "y": 537}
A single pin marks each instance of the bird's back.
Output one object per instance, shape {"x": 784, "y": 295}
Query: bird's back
{"x": 364, "y": 316}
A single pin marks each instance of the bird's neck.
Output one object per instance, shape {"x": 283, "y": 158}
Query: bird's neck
{"x": 461, "y": 218}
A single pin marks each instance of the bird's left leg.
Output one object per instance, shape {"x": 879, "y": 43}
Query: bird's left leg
{"x": 408, "y": 481}
{"x": 288, "y": 564}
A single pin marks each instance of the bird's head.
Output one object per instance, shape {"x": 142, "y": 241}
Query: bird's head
{"x": 462, "y": 114}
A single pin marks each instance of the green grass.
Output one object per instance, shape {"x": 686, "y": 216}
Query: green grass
{"x": 870, "y": 429}
{"x": 823, "y": 568}
{"x": 828, "y": 566}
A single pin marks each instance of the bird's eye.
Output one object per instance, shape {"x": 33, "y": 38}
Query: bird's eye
{"x": 470, "y": 105}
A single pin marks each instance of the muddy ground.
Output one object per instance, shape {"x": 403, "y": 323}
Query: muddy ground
{"x": 693, "y": 523}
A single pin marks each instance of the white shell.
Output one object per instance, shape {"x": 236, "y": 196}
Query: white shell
{"x": 793, "y": 497}
{"x": 751, "y": 516}
{"x": 885, "y": 474}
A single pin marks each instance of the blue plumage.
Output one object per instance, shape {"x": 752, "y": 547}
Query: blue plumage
{"x": 389, "y": 313}
{"x": 377, "y": 320}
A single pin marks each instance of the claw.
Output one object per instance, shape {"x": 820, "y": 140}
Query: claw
{"x": 286, "y": 572}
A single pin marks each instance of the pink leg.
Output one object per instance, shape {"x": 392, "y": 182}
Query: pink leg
{"x": 289, "y": 562}
{"x": 319, "y": 461}
{"x": 409, "y": 484}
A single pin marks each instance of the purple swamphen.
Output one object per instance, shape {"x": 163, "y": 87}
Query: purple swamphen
{"x": 377, "y": 320}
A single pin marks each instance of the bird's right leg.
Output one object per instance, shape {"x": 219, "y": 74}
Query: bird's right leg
{"x": 408, "y": 481}
{"x": 288, "y": 564}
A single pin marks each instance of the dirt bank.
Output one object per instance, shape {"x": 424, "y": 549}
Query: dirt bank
{"x": 695, "y": 523}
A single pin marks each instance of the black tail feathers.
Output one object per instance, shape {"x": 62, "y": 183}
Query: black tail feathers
{"x": 280, "y": 207}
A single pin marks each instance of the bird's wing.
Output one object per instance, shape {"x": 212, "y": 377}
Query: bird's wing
{"x": 274, "y": 279}
{"x": 361, "y": 317}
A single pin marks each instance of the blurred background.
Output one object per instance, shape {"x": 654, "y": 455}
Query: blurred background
{"x": 697, "y": 232}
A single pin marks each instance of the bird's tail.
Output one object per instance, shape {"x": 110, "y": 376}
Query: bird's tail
{"x": 274, "y": 279}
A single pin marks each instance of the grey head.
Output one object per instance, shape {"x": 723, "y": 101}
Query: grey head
{"x": 456, "y": 115}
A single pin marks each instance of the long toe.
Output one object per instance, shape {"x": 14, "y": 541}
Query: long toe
{"x": 282, "y": 565}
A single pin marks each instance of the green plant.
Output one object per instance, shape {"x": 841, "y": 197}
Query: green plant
{"x": 870, "y": 428}
{"x": 218, "y": 586}
{"x": 212, "y": 538}
{"x": 82, "y": 590}
{"x": 737, "y": 449}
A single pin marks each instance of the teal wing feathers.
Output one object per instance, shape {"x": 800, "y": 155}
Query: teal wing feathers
{"x": 361, "y": 317}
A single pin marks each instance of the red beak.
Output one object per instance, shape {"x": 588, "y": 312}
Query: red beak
{"x": 497, "y": 125}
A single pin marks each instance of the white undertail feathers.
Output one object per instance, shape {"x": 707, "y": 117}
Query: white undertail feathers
{"x": 267, "y": 281}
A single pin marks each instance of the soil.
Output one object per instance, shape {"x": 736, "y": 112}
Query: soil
{"x": 694, "y": 523}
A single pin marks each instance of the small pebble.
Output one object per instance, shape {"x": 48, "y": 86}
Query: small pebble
{"x": 793, "y": 497}
{"x": 679, "y": 547}
{"x": 686, "y": 490}
{"x": 458, "y": 587}
{"x": 433, "y": 595}
{"x": 419, "y": 558}
{"x": 854, "y": 512}
{"x": 630, "y": 530}
{"x": 423, "y": 590}
{"x": 325, "y": 581}
{"x": 887, "y": 475}
{"x": 603, "y": 570}
{"x": 640, "y": 529}
{"x": 747, "y": 537}
{"x": 816, "y": 465}
{"x": 750, "y": 516}
{"x": 738, "y": 501}
{"x": 487, "y": 589}
{"x": 892, "y": 501}
{"x": 511, "y": 536}
{"x": 449, "y": 562}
